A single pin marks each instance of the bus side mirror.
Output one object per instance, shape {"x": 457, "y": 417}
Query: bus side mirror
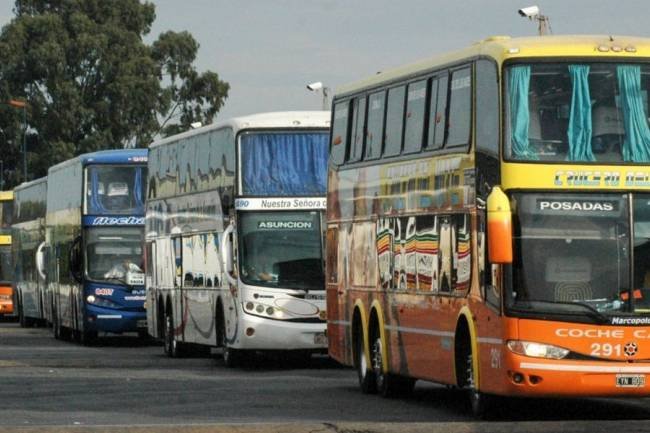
{"x": 499, "y": 230}
{"x": 40, "y": 261}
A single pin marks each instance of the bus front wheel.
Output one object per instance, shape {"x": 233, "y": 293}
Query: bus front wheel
{"x": 172, "y": 346}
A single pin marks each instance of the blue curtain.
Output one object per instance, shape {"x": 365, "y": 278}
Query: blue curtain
{"x": 138, "y": 194}
{"x": 96, "y": 206}
{"x": 636, "y": 147}
{"x": 283, "y": 164}
{"x": 518, "y": 85}
{"x": 579, "y": 131}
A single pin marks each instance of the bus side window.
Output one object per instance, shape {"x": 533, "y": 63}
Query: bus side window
{"x": 340, "y": 133}
{"x": 462, "y": 252}
{"x": 375, "y": 125}
{"x": 437, "y": 112}
{"x": 460, "y": 108}
{"x": 358, "y": 129}
{"x": 394, "y": 121}
{"x": 178, "y": 261}
{"x": 445, "y": 255}
{"x": 415, "y": 112}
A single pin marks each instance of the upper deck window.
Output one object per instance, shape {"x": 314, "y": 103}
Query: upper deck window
{"x": 587, "y": 112}
{"x": 340, "y": 132}
{"x": 284, "y": 163}
{"x": 115, "y": 189}
{"x": 375, "y": 129}
{"x": 394, "y": 121}
{"x": 415, "y": 108}
{"x": 460, "y": 107}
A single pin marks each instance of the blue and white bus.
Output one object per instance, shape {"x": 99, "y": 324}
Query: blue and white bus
{"x": 95, "y": 233}
{"x": 235, "y": 236}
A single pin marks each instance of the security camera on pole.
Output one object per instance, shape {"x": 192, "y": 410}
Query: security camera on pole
{"x": 543, "y": 21}
{"x": 315, "y": 87}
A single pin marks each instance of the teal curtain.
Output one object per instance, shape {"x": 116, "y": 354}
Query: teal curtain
{"x": 636, "y": 147}
{"x": 579, "y": 131}
{"x": 518, "y": 85}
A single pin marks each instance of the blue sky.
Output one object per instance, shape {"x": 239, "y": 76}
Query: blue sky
{"x": 268, "y": 50}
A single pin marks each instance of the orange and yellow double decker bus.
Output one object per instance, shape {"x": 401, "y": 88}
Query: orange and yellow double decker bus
{"x": 489, "y": 221}
{"x": 6, "y": 264}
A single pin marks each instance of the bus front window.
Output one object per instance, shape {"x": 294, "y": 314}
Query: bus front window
{"x": 577, "y": 111}
{"x": 281, "y": 249}
{"x": 572, "y": 255}
{"x": 115, "y": 190}
{"x": 114, "y": 254}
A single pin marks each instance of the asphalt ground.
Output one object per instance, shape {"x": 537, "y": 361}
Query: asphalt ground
{"x": 126, "y": 384}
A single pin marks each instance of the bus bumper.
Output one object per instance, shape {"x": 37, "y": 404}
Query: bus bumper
{"x": 535, "y": 377}
{"x": 258, "y": 333}
{"x": 115, "y": 321}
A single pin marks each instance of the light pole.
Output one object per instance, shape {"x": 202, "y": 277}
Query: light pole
{"x": 22, "y": 104}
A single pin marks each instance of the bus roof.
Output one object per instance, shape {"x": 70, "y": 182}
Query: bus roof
{"x": 501, "y": 48}
{"x": 6, "y": 195}
{"x": 26, "y": 185}
{"x": 278, "y": 119}
{"x": 112, "y": 156}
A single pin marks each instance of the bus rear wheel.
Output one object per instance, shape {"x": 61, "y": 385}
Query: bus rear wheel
{"x": 387, "y": 384}
{"x": 365, "y": 374}
{"x": 172, "y": 347}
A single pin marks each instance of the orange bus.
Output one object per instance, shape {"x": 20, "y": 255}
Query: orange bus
{"x": 6, "y": 264}
{"x": 488, "y": 221}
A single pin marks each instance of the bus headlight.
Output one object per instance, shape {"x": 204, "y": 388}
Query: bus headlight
{"x": 537, "y": 350}
{"x": 90, "y": 299}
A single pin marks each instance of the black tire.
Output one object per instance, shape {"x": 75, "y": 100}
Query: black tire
{"x": 56, "y": 329}
{"x": 173, "y": 348}
{"x": 365, "y": 374}
{"x": 21, "y": 313}
{"x": 387, "y": 384}
{"x": 221, "y": 327}
{"x": 232, "y": 358}
{"x": 480, "y": 404}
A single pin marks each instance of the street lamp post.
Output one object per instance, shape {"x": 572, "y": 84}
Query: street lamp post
{"x": 22, "y": 104}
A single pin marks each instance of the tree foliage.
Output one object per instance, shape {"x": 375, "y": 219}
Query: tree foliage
{"x": 92, "y": 83}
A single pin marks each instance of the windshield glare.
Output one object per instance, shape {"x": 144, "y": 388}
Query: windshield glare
{"x": 592, "y": 112}
{"x": 281, "y": 249}
{"x": 113, "y": 254}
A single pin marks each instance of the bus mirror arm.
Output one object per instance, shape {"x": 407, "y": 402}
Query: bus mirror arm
{"x": 226, "y": 254}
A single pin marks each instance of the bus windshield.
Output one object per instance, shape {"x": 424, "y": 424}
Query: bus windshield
{"x": 112, "y": 190}
{"x": 578, "y": 111}
{"x": 575, "y": 254}
{"x": 114, "y": 254}
{"x": 281, "y": 249}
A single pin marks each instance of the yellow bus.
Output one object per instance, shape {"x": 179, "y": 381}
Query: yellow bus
{"x": 488, "y": 221}
{"x": 6, "y": 264}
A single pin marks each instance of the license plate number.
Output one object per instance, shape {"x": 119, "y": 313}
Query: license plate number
{"x": 141, "y": 324}
{"x": 630, "y": 380}
{"x": 320, "y": 339}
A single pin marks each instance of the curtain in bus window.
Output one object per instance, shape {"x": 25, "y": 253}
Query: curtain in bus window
{"x": 284, "y": 164}
{"x": 636, "y": 147}
{"x": 579, "y": 131}
{"x": 519, "y": 83}
{"x": 96, "y": 205}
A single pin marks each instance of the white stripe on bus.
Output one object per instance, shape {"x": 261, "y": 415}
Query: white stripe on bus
{"x": 109, "y": 316}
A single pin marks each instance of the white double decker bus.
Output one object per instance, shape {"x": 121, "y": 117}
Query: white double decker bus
{"x": 234, "y": 233}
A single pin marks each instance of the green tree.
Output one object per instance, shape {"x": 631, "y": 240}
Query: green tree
{"x": 91, "y": 82}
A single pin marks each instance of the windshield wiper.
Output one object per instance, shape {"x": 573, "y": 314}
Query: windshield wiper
{"x": 591, "y": 311}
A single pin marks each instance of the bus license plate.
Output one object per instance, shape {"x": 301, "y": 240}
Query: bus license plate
{"x": 630, "y": 380}
{"x": 141, "y": 324}
{"x": 320, "y": 339}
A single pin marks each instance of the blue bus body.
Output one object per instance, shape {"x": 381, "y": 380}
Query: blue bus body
{"x": 95, "y": 231}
